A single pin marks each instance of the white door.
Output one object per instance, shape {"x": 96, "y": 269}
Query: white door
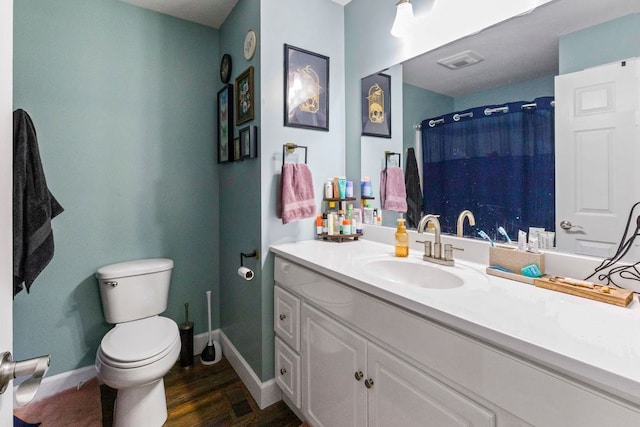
{"x": 6, "y": 192}
{"x": 334, "y": 372}
{"x": 597, "y": 159}
{"x": 402, "y": 395}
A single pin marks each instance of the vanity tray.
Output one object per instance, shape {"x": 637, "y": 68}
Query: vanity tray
{"x": 339, "y": 237}
{"x": 602, "y": 293}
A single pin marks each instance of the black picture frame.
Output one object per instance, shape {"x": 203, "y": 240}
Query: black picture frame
{"x": 249, "y": 142}
{"x": 306, "y": 89}
{"x": 225, "y": 124}
{"x": 376, "y": 105}
{"x": 237, "y": 155}
{"x": 244, "y": 97}
{"x": 226, "y": 65}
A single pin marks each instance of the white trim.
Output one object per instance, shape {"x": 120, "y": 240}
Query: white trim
{"x": 265, "y": 394}
{"x": 66, "y": 380}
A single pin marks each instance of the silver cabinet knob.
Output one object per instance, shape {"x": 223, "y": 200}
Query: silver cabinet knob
{"x": 283, "y": 371}
{"x": 368, "y": 383}
{"x": 283, "y": 316}
{"x": 359, "y": 375}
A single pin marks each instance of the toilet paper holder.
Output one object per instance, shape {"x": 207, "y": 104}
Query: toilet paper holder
{"x": 36, "y": 368}
{"x": 253, "y": 254}
{"x": 244, "y": 272}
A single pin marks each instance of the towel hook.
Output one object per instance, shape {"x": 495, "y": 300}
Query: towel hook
{"x": 388, "y": 154}
{"x": 290, "y": 147}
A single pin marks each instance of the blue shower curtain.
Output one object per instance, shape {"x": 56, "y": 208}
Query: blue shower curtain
{"x": 499, "y": 166}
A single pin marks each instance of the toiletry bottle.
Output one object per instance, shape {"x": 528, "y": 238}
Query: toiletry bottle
{"x": 328, "y": 189}
{"x": 319, "y": 225}
{"x": 325, "y": 225}
{"x": 402, "y": 239}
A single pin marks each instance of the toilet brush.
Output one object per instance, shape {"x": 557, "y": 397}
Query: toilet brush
{"x": 208, "y": 355}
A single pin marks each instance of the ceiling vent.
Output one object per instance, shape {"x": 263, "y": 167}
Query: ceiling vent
{"x": 461, "y": 60}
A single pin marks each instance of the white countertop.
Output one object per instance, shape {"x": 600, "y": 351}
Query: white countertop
{"x": 591, "y": 341}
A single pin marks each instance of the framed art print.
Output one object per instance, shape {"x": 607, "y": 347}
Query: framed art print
{"x": 244, "y": 97}
{"x": 306, "y": 89}
{"x": 376, "y": 105}
{"x": 225, "y": 124}
{"x": 249, "y": 142}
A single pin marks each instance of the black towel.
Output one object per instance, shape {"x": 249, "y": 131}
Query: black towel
{"x": 414, "y": 193}
{"x": 33, "y": 206}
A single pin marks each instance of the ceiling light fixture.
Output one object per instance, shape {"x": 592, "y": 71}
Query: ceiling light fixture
{"x": 404, "y": 19}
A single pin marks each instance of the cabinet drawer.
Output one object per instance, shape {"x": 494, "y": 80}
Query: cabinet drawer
{"x": 286, "y": 322}
{"x": 288, "y": 371}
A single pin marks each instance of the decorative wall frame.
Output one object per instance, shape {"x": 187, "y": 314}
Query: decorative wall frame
{"x": 306, "y": 89}
{"x": 244, "y": 97}
{"x": 225, "y": 124}
{"x": 249, "y": 142}
{"x": 376, "y": 105}
{"x": 237, "y": 155}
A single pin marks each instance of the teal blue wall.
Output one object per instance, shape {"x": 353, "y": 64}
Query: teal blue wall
{"x": 123, "y": 100}
{"x": 522, "y": 91}
{"x": 240, "y": 205}
{"x": 419, "y": 104}
{"x": 600, "y": 44}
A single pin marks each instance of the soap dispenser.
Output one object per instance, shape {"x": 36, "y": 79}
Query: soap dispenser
{"x": 402, "y": 239}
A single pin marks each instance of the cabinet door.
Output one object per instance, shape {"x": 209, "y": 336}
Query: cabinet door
{"x": 402, "y": 395}
{"x": 332, "y": 356}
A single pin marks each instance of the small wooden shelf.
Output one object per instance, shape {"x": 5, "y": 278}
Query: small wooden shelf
{"x": 367, "y": 198}
{"x": 339, "y": 237}
{"x": 338, "y": 199}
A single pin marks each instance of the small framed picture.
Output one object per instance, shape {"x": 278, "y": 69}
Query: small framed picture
{"x": 236, "y": 149}
{"x": 244, "y": 97}
{"x": 249, "y": 142}
{"x": 306, "y": 89}
{"x": 225, "y": 124}
{"x": 376, "y": 105}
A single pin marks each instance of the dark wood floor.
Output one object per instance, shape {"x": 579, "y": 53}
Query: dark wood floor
{"x": 209, "y": 396}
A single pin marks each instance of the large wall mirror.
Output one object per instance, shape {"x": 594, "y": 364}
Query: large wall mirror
{"x": 521, "y": 59}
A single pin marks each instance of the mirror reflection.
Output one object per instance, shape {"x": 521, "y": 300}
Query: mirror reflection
{"x": 538, "y": 55}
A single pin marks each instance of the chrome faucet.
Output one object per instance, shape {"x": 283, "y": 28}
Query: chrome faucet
{"x": 437, "y": 254}
{"x": 460, "y": 227}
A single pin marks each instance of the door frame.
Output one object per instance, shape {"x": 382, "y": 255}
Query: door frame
{"x": 6, "y": 195}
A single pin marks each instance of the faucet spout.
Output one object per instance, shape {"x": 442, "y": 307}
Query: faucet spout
{"x": 425, "y": 220}
{"x": 460, "y": 226}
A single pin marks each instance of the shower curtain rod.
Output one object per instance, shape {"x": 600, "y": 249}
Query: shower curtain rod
{"x": 487, "y": 112}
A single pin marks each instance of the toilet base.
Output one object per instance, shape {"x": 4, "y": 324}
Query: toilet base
{"x": 143, "y": 406}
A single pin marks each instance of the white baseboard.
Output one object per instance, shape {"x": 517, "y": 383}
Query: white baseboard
{"x": 60, "y": 382}
{"x": 265, "y": 394}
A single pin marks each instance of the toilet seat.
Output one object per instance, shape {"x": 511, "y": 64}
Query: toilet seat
{"x": 139, "y": 343}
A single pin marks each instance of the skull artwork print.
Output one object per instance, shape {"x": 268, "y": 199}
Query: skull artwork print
{"x": 376, "y": 105}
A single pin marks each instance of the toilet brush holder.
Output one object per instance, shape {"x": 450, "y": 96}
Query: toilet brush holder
{"x": 186, "y": 340}
{"x": 211, "y": 353}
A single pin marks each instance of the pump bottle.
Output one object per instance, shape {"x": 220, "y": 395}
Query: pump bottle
{"x": 402, "y": 239}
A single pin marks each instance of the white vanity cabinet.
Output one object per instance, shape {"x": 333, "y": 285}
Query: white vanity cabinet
{"x": 347, "y": 380}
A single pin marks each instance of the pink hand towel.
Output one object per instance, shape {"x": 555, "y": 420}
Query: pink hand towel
{"x": 393, "y": 194}
{"x": 297, "y": 199}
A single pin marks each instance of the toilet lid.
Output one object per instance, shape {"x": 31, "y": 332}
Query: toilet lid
{"x": 140, "y": 339}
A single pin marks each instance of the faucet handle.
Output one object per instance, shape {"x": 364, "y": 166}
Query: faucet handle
{"x": 448, "y": 251}
{"x": 427, "y": 247}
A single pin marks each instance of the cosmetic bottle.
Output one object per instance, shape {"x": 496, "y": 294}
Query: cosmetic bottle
{"x": 402, "y": 239}
{"x": 328, "y": 189}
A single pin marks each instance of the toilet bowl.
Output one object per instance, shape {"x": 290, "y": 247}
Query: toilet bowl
{"x": 133, "y": 358}
{"x": 141, "y": 348}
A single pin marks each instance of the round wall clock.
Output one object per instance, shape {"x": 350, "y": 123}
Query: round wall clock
{"x": 250, "y": 44}
{"x": 225, "y": 68}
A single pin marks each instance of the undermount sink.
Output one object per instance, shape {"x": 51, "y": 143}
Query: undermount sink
{"x": 412, "y": 272}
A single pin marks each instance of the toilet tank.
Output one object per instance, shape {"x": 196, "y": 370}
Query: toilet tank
{"x": 134, "y": 289}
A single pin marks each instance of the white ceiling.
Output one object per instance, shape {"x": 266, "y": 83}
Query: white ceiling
{"x": 211, "y": 13}
{"x": 520, "y": 49}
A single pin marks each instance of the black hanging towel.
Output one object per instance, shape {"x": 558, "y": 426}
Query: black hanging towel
{"x": 33, "y": 206}
{"x": 414, "y": 193}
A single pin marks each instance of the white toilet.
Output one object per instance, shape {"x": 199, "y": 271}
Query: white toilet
{"x": 138, "y": 352}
